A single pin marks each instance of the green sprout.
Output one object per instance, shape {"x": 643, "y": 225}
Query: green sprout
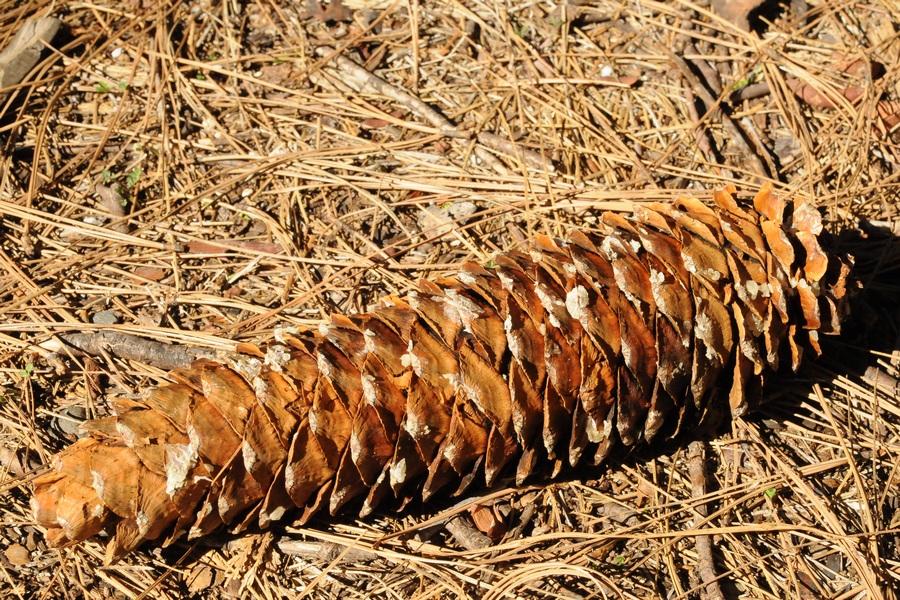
{"x": 133, "y": 177}
{"x": 770, "y": 493}
{"x": 27, "y": 371}
{"x": 752, "y": 77}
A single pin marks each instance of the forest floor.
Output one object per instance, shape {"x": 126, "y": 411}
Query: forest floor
{"x": 202, "y": 172}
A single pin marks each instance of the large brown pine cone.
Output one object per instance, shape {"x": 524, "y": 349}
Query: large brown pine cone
{"x": 550, "y": 355}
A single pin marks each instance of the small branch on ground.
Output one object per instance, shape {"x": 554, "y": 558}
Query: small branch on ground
{"x": 710, "y": 74}
{"x": 370, "y": 82}
{"x": 749, "y": 92}
{"x": 326, "y": 551}
{"x": 131, "y": 347}
{"x": 524, "y": 519}
{"x": 734, "y": 132}
{"x": 755, "y": 137}
{"x": 703, "y": 142}
{"x": 706, "y": 566}
{"x": 532, "y": 159}
{"x": 464, "y": 531}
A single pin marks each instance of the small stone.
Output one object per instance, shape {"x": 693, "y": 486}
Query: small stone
{"x": 71, "y": 420}
{"x": 105, "y": 317}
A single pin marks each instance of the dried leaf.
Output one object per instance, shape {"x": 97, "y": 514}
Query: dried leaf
{"x": 889, "y": 111}
{"x": 111, "y": 199}
{"x": 18, "y": 554}
{"x": 488, "y": 521}
{"x": 148, "y": 273}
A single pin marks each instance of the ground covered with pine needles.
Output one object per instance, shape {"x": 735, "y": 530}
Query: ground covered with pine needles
{"x": 202, "y": 172}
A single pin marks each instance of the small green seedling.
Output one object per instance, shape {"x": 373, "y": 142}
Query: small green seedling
{"x": 770, "y": 493}
{"x": 133, "y": 177}
{"x": 752, "y": 77}
{"x": 27, "y": 371}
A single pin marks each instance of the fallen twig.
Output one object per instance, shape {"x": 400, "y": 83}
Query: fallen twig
{"x": 326, "y": 551}
{"x": 706, "y": 566}
{"x": 749, "y": 92}
{"x": 703, "y": 142}
{"x": 464, "y": 532}
{"x": 369, "y": 81}
{"x": 131, "y": 347}
{"x": 710, "y": 74}
{"x": 734, "y": 132}
{"x": 532, "y": 159}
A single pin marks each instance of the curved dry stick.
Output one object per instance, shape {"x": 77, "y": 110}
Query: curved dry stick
{"x": 371, "y": 82}
{"x": 131, "y": 347}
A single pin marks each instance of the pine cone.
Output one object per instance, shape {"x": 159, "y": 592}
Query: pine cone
{"x": 550, "y": 356}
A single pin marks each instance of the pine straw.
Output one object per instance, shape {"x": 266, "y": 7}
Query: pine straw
{"x": 264, "y": 188}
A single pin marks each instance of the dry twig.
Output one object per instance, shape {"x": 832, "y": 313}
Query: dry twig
{"x": 371, "y": 82}
{"x": 131, "y": 347}
{"x": 706, "y": 566}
